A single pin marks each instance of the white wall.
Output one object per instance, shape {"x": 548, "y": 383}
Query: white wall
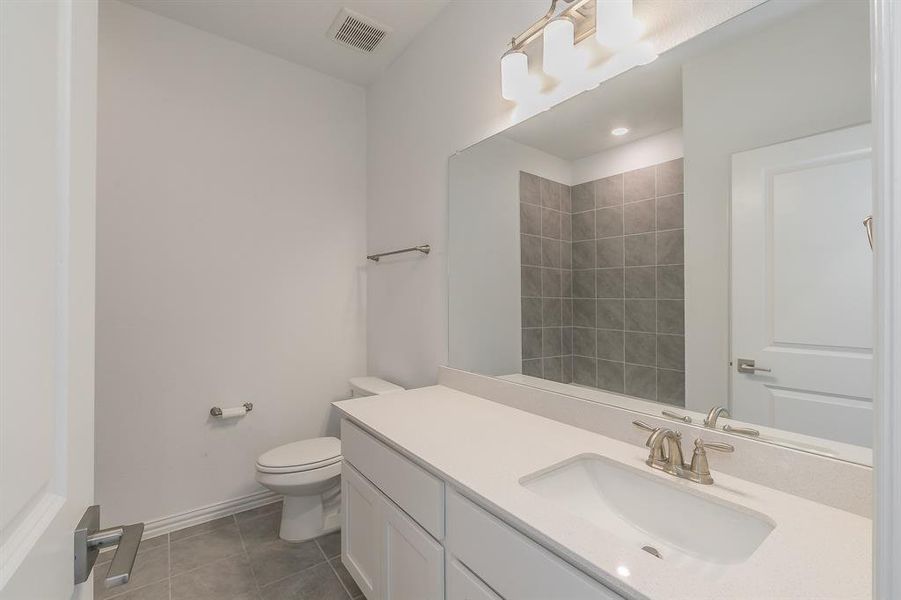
{"x": 231, "y": 224}
{"x": 803, "y": 75}
{"x": 441, "y": 95}
{"x": 651, "y": 150}
{"x": 484, "y": 276}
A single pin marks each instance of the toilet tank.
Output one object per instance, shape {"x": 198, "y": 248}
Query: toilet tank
{"x": 371, "y": 386}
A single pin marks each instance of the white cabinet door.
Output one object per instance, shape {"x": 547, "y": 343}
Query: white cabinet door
{"x": 462, "y": 584}
{"x": 412, "y": 561}
{"x": 386, "y": 552}
{"x": 802, "y": 284}
{"x": 48, "y": 82}
{"x": 360, "y": 531}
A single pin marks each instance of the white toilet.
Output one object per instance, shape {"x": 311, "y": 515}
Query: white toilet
{"x": 308, "y": 474}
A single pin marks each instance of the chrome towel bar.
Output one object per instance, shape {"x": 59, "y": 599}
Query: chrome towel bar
{"x": 425, "y": 249}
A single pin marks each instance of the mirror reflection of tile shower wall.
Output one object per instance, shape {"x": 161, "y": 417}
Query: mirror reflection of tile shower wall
{"x": 618, "y": 309}
{"x": 545, "y": 222}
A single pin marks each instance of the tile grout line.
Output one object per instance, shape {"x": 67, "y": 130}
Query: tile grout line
{"x": 146, "y": 585}
{"x": 656, "y": 300}
{"x": 341, "y": 583}
{"x": 168, "y": 547}
{"x": 296, "y": 573}
{"x": 334, "y": 571}
{"x": 253, "y": 573}
{"x": 194, "y": 535}
{"x": 624, "y": 287}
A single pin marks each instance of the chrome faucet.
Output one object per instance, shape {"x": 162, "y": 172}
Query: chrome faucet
{"x": 666, "y": 454}
{"x": 714, "y": 414}
{"x": 721, "y": 411}
{"x": 666, "y": 451}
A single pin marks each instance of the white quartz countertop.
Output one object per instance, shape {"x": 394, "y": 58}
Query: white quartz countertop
{"x": 483, "y": 449}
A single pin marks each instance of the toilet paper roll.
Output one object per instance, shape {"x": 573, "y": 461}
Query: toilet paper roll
{"x": 231, "y": 413}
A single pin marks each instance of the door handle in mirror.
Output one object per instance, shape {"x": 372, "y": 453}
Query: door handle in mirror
{"x": 89, "y": 539}
{"x": 868, "y": 223}
{"x": 746, "y": 365}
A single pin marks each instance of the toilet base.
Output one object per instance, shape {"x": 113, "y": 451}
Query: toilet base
{"x": 308, "y": 517}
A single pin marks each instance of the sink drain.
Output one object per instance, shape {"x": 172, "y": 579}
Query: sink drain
{"x": 651, "y": 550}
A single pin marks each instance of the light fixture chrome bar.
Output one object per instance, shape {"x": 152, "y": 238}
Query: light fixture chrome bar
{"x": 425, "y": 249}
{"x": 535, "y": 29}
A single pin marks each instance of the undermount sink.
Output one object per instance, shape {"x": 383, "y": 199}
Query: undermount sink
{"x": 685, "y": 528}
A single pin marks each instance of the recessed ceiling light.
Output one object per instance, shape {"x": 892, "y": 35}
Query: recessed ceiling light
{"x": 620, "y": 131}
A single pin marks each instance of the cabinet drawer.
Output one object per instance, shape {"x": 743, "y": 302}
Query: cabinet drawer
{"x": 418, "y": 493}
{"x": 462, "y": 584}
{"x": 510, "y": 563}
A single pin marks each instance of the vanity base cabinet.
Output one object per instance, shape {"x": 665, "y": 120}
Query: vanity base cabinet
{"x": 387, "y": 553}
{"x": 508, "y": 562}
{"x": 406, "y": 534}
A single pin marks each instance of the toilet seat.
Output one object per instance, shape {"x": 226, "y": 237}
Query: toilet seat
{"x": 305, "y": 455}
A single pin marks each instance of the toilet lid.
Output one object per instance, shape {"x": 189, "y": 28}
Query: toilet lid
{"x": 303, "y": 455}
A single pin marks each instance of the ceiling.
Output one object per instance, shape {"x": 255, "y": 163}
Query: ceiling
{"x": 296, "y": 30}
{"x": 647, "y": 101}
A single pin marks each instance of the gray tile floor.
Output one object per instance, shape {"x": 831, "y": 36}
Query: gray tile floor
{"x": 233, "y": 558}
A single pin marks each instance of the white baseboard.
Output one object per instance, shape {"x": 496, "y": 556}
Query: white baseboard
{"x": 203, "y": 514}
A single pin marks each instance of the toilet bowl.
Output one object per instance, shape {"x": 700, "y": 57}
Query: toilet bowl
{"x": 308, "y": 474}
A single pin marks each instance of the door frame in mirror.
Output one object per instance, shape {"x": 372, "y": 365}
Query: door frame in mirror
{"x": 885, "y": 27}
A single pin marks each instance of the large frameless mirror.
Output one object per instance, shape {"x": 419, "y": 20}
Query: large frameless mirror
{"x": 689, "y": 238}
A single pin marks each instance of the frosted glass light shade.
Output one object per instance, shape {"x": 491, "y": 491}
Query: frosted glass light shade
{"x": 514, "y": 75}
{"x": 560, "y": 59}
{"x": 639, "y": 54}
{"x": 615, "y": 27}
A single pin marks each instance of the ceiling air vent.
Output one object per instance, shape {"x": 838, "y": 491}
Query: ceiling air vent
{"x": 356, "y": 31}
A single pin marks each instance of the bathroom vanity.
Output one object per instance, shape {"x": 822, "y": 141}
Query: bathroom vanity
{"x": 448, "y": 494}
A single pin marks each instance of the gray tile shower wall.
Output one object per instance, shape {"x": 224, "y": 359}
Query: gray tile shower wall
{"x": 546, "y": 286}
{"x": 627, "y": 283}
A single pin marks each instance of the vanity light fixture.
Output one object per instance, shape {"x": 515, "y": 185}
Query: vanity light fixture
{"x": 615, "y": 27}
{"x": 559, "y": 44}
{"x": 514, "y": 75}
{"x": 620, "y": 131}
{"x": 565, "y": 59}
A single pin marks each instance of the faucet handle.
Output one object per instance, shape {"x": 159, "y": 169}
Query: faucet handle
{"x": 645, "y": 426}
{"x": 719, "y": 446}
{"x": 699, "y": 470}
{"x": 677, "y": 416}
{"x": 741, "y": 430}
